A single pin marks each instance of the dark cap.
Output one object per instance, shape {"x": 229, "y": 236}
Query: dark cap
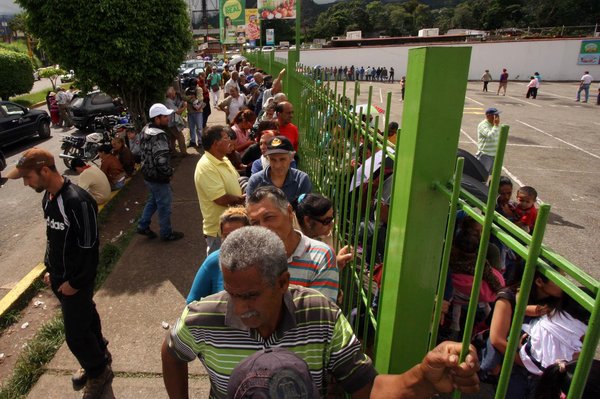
{"x": 492, "y": 111}
{"x": 279, "y": 145}
{"x": 32, "y": 159}
{"x": 274, "y": 373}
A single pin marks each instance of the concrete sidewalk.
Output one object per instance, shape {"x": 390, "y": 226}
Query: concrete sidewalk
{"x": 147, "y": 287}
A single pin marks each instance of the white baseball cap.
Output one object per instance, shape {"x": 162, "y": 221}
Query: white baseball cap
{"x": 159, "y": 109}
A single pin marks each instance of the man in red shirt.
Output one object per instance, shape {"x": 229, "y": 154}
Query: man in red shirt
{"x": 285, "y": 113}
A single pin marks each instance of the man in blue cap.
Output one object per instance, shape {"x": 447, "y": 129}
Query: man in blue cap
{"x": 488, "y": 133}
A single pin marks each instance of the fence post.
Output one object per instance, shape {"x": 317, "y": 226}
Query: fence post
{"x": 291, "y": 87}
{"x": 425, "y": 155}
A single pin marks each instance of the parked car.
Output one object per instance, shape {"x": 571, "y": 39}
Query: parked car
{"x": 188, "y": 75}
{"x": 18, "y": 123}
{"x": 267, "y": 48}
{"x": 185, "y": 65}
{"x": 96, "y": 103}
{"x": 68, "y": 77}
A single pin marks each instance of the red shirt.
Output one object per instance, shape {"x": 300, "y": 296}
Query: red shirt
{"x": 291, "y": 132}
{"x": 526, "y": 217}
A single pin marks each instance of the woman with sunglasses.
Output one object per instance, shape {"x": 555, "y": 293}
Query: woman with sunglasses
{"x": 316, "y": 216}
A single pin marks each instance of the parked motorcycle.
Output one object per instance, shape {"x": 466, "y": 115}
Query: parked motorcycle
{"x": 87, "y": 147}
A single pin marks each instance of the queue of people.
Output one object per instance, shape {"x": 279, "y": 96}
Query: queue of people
{"x": 268, "y": 286}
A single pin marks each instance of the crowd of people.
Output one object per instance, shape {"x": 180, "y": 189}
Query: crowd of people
{"x": 268, "y": 285}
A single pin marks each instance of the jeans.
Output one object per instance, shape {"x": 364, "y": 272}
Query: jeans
{"x": 196, "y": 122}
{"x": 83, "y": 330}
{"x": 586, "y": 88}
{"x": 522, "y": 384}
{"x": 159, "y": 198}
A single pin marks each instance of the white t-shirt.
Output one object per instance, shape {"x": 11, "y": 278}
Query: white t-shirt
{"x": 587, "y": 79}
{"x": 236, "y": 105}
{"x": 95, "y": 182}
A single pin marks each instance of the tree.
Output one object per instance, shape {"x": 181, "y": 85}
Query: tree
{"x": 18, "y": 23}
{"x": 16, "y": 74}
{"x": 128, "y": 48}
{"x": 52, "y": 73}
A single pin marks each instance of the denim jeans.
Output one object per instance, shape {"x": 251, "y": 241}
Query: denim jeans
{"x": 159, "y": 198}
{"x": 586, "y": 89}
{"x": 195, "y": 120}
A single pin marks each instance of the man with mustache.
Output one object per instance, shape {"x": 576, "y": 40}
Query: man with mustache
{"x": 259, "y": 309}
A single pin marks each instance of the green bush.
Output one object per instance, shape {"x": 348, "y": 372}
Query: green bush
{"x": 16, "y": 74}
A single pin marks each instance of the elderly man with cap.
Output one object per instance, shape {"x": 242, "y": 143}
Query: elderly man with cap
{"x": 157, "y": 171}
{"x": 71, "y": 263}
{"x": 488, "y": 134}
{"x": 259, "y": 310}
{"x": 279, "y": 172}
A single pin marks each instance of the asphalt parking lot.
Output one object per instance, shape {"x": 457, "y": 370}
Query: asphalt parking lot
{"x": 553, "y": 145}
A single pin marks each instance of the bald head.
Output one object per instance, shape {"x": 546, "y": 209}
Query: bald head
{"x": 285, "y": 112}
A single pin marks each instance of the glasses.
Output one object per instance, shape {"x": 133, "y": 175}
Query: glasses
{"x": 326, "y": 221}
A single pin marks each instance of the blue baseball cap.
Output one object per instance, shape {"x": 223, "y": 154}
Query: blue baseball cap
{"x": 492, "y": 111}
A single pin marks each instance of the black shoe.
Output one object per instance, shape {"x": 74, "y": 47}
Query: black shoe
{"x": 174, "y": 236}
{"x": 146, "y": 232}
{"x": 191, "y": 144}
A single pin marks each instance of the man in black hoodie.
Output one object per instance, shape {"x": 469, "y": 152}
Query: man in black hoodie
{"x": 157, "y": 171}
{"x": 71, "y": 262}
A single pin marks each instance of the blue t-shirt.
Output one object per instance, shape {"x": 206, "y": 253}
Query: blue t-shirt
{"x": 208, "y": 280}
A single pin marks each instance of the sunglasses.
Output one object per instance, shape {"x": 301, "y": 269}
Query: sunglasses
{"x": 326, "y": 221}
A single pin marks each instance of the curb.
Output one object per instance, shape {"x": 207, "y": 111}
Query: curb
{"x": 20, "y": 289}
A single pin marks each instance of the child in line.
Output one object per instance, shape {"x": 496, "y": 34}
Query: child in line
{"x": 523, "y": 213}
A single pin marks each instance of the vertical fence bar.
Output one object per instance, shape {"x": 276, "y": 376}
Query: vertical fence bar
{"x": 447, "y": 249}
{"x": 517, "y": 320}
{"x": 419, "y": 213}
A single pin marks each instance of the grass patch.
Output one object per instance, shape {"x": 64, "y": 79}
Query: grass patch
{"x": 30, "y": 365}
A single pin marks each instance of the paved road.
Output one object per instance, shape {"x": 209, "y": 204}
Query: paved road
{"x": 554, "y": 146}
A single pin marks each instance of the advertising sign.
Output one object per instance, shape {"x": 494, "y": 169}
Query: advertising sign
{"x": 232, "y": 20}
{"x": 252, "y": 24}
{"x": 589, "y": 53}
{"x": 277, "y": 9}
{"x": 270, "y": 37}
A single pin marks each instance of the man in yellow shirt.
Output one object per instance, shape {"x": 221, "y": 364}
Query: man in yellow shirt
{"x": 216, "y": 183}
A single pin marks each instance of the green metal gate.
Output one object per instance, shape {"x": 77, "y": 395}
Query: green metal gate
{"x": 402, "y": 325}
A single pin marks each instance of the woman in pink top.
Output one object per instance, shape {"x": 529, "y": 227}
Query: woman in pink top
{"x": 242, "y": 123}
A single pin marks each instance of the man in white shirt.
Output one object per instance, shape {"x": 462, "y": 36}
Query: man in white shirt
{"x": 233, "y": 104}
{"x": 232, "y": 82}
{"x": 92, "y": 180}
{"x": 586, "y": 82}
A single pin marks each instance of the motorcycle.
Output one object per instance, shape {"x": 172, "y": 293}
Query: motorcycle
{"x": 87, "y": 147}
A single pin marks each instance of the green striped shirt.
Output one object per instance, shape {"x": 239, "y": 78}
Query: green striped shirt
{"x": 312, "y": 327}
{"x": 487, "y": 138}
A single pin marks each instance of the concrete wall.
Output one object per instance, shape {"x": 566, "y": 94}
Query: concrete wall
{"x": 553, "y": 59}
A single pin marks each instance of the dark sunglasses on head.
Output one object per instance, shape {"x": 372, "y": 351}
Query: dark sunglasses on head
{"x": 326, "y": 221}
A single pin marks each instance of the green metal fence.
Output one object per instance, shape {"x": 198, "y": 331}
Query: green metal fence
{"x": 397, "y": 317}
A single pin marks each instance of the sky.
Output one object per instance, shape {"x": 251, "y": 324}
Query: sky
{"x": 8, "y": 7}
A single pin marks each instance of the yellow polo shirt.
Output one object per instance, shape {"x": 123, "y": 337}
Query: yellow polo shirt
{"x": 213, "y": 179}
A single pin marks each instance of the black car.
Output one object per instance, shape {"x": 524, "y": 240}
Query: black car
{"x": 96, "y": 103}
{"x": 18, "y": 123}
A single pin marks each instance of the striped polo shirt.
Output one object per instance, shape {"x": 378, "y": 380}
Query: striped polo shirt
{"x": 313, "y": 264}
{"x": 311, "y": 326}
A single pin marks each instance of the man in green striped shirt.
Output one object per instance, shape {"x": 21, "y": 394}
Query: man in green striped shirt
{"x": 488, "y": 134}
{"x": 260, "y": 310}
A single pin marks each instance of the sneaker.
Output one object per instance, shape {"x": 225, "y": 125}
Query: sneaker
{"x": 146, "y": 232}
{"x": 79, "y": 377}
{"x": 94, "y": 387}
{"x": 174, "y": 236}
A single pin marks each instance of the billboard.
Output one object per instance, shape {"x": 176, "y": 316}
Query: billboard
{"x": 589, "y": 52}
{"x": 232, "y": 20}
{"x": 277, "y": 9}
{"x": 252, "y": 26}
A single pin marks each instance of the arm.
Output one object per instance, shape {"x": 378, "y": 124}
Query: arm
{"x": 277, "y": 84}
{"x": 439, "y": 371}
{"x": 223, "y": 105}
{"x": 175, "y": 374}
{"x": 203, "y": 282}
{"x": 500, "y": 326}
{"x": 230, "y": 199}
